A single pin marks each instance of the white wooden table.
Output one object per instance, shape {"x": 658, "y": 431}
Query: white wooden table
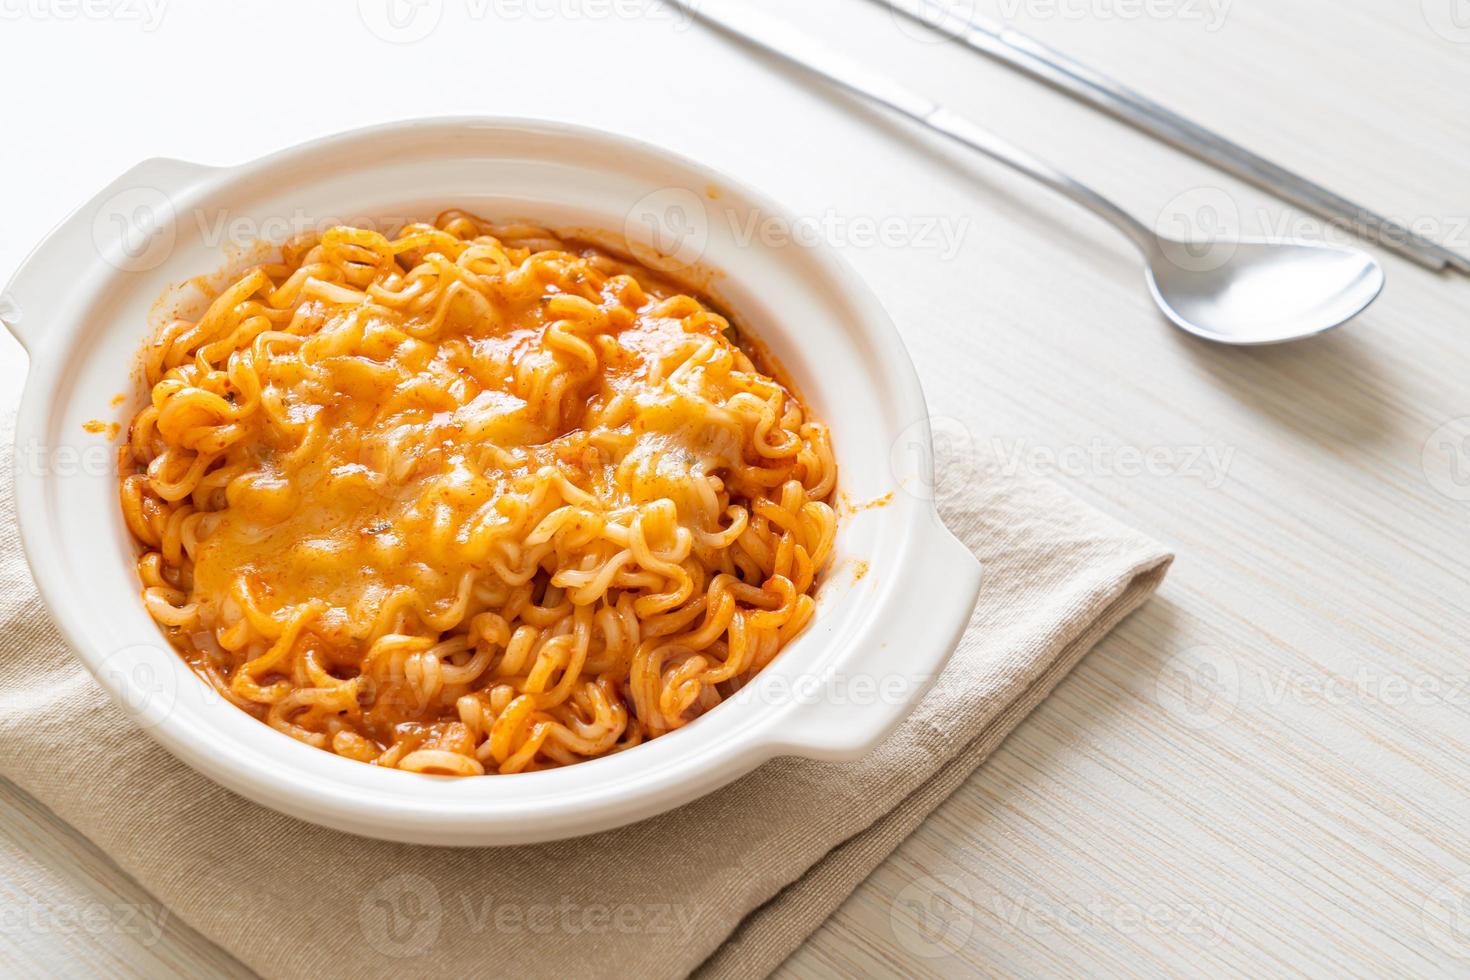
{"x": 1265, "y": 771}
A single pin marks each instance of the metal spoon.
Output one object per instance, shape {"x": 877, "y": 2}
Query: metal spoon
{"x": 1231, "y": 292}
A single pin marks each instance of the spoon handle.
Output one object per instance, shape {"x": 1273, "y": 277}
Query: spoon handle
{"x": 776, "y": 37}
{"x": 977, "y": 138}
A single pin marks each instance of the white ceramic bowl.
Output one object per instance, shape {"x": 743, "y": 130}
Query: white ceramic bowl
{"x": 81, "y": 304}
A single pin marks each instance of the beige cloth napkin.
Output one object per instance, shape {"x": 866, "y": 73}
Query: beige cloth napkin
{"x": 729, "y": 884}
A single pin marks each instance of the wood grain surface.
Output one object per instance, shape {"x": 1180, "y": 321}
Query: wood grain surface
{"x": 1264, "y": 772}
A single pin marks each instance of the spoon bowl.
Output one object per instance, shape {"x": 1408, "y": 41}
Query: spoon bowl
{"x": 1259, "y": 292}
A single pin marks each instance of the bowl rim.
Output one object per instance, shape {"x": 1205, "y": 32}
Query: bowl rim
{"x": 932, "y": 560}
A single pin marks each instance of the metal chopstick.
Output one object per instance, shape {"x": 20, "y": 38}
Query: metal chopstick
{"x": 1015, "y": 49}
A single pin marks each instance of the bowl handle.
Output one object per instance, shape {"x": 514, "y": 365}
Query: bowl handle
{"x": 129, "y": 224}
{"x": 851, "y": 711}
